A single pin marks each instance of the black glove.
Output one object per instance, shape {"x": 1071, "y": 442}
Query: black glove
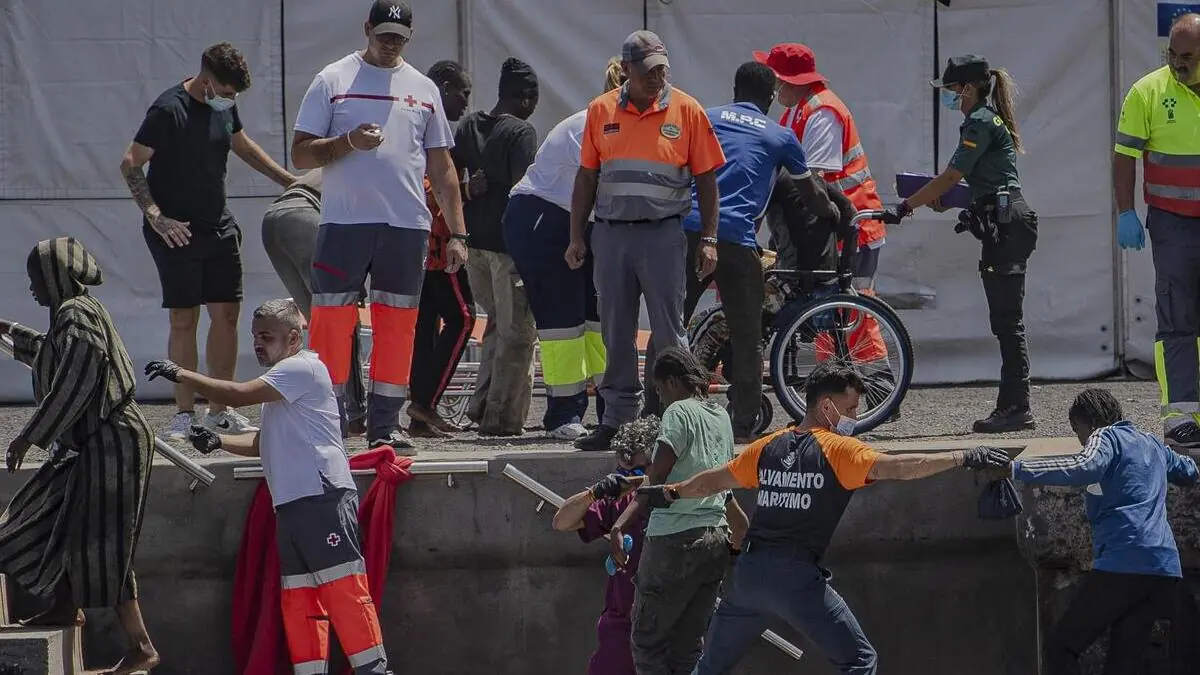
{"x": 203, "y": 439}
{"x": 986, "y": 457}
{"x": 609, "y": 487}
{"x": 658, "y": 495}
{"x": 897, "y": 213}
{"x": 163, "y": 368}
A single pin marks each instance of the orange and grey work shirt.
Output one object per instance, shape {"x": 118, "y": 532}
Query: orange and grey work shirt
{"x": 647, "y": 159}
{"x": 1160, "y": 122}
{"x": 805, "y": 479}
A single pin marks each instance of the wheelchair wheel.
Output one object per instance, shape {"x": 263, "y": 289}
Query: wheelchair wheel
{"x": 766, "y": 414}
{"x": 858, "y": 330}
{"x": 708, "y": 337}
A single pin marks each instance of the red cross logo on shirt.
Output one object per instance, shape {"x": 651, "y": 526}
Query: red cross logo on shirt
{"x": 410, "y": 100}
{"x": 333, "y": 540}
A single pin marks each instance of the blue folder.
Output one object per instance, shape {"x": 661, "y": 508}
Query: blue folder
{"x": 907, "y": 184}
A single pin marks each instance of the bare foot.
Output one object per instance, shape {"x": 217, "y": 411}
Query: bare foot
{"x": 423, "y": 430}
{"x": 137, "y": 661}
{"x": 423, "y": 414}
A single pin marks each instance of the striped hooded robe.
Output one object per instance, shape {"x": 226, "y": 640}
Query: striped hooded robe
{"x": 78, "y": 519}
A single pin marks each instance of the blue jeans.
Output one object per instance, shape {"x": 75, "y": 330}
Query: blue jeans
{"x": 769, "y": 582}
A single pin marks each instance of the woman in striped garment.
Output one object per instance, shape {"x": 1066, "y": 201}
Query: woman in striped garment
{"x": 70, "y": 533}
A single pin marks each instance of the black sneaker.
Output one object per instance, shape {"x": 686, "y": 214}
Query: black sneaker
{"x": 1186, "y": 436}
{"x": 1012, "y": 418}
{"x": 399, "y": 441}
{"x": 597, "y": 441}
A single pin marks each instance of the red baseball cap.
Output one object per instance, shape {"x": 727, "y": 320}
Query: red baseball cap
{"x": 792, "y": 62}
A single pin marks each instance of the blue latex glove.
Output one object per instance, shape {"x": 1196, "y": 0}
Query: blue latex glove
{"x": 1130, "y": 233}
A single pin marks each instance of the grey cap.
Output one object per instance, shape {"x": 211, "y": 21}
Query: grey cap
{"x": 644, "y": 50}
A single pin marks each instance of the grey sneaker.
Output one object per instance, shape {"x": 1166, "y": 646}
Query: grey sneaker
{"x": 228, "y": 422}
{"x": 177, "y": 429}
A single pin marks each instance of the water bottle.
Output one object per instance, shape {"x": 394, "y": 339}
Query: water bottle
{"x": 610, "y": 564}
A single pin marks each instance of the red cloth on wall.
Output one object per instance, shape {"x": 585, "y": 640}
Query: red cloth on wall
{"x": 259, "y": 646}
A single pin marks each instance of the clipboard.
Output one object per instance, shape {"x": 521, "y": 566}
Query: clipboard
{"x": 907, "y": 184}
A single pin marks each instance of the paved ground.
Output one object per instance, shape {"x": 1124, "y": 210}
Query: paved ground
{"x": 935, "y": 414}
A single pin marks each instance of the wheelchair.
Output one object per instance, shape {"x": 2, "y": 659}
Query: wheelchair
{"x": 812, "y": 316}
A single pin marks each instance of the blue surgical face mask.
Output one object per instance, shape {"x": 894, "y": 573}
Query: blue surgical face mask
{"x": 840, "y": 424}
{"x": 951, "y": 99}
{"x": 219, "y": 103}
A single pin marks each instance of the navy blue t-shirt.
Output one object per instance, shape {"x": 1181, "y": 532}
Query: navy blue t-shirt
{"x": 755, "y": 147}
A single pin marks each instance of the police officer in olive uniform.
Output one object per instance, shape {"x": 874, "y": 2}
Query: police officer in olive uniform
{"x": 998, "y": 216}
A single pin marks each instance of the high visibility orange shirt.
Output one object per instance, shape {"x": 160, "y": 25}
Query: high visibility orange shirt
{"x": 854, "y": 180}
{"x": 647, "y": 159}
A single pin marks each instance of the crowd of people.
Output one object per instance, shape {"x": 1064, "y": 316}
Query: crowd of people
{"x": 645, "y": 197}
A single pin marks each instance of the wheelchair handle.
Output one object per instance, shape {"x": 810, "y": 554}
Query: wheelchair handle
{"x": 865, "y": 215}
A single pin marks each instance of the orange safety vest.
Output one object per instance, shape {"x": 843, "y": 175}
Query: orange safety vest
{"x": 854, "y": 180}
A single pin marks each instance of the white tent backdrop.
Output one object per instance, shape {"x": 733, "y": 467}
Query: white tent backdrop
{"x": 75, "y": 81}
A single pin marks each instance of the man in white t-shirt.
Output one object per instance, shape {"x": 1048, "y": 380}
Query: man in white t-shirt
{"x": 316, "y": 502}
{"x": 373, "y": 122}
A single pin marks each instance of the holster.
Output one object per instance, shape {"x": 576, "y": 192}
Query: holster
{"x": 977, "y": 220}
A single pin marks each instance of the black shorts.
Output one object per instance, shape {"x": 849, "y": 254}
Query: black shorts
{"x": 208, "y": 269}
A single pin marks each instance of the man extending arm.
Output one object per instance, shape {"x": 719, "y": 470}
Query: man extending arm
{"x": 257, "y": 158}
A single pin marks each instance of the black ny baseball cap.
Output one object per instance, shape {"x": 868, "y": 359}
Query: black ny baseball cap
{"x": 391, "y": 16}
{"x": 963, "y": 70}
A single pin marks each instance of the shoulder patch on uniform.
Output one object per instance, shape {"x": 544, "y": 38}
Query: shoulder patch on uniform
{"x": 969, "y": 144}
{"x": 997, "y": 121}
{"x": 670, "y": 131}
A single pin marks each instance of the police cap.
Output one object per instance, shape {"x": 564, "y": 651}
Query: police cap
{"x": 963, "y": 70}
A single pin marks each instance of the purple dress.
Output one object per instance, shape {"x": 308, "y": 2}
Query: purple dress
{"x": 614, "y": 652}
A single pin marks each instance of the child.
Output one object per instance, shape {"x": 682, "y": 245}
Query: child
{"x": 592, "y": 513}
{"x": 687, "y": 544}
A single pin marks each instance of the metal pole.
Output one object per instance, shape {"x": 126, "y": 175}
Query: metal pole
{"x": 197, "y": 472}
{"x": 550, "y": 496}
{"x": 1120, "y": 269}
{"x": 417, "y": 468}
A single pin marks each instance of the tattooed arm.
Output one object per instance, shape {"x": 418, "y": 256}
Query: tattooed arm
{"x": 174, "y": 232}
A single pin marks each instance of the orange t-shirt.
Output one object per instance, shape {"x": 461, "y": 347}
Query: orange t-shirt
{"x": 805, "y": 480}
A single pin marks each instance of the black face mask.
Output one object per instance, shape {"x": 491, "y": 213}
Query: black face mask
{"x": 636, "y": 471}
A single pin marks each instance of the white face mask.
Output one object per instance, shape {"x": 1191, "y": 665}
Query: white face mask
{"x": 219, "y": 103}
{"x": 843, "y": 426}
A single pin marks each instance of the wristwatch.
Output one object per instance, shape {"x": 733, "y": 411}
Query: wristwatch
{"x": 461, "y": 237}
{"x": 709, "y": 240}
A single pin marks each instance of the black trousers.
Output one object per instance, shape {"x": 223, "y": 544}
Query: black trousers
{"x": 1002, "y": 267}
{"x": 1129, "y": 604}
{"x": 445, "y": 319}
{"x": 739, "y": 278}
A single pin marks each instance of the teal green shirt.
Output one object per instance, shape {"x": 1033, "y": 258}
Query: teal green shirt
{"x": 985, "y": 154}
{"x": 701, "y": 435}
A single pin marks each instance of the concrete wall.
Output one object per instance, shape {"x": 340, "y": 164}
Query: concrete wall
{"x": 481, "y": 584}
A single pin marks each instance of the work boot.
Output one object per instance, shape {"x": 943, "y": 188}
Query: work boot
{"x": 1011, "y": 418}
{"x": 1184, "y": 437}
{"x": 599, "y": 440}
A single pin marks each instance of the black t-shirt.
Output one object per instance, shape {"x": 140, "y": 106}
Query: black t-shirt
{"x": 191, "y": 144}
{"x": 805, "y": 480}
{"x": 503, "y": 146}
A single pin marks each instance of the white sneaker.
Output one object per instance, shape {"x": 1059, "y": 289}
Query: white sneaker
{"x": 178, "y": 428}
{"x": 568, "y": 432}
{"x": 229, "y": 422}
